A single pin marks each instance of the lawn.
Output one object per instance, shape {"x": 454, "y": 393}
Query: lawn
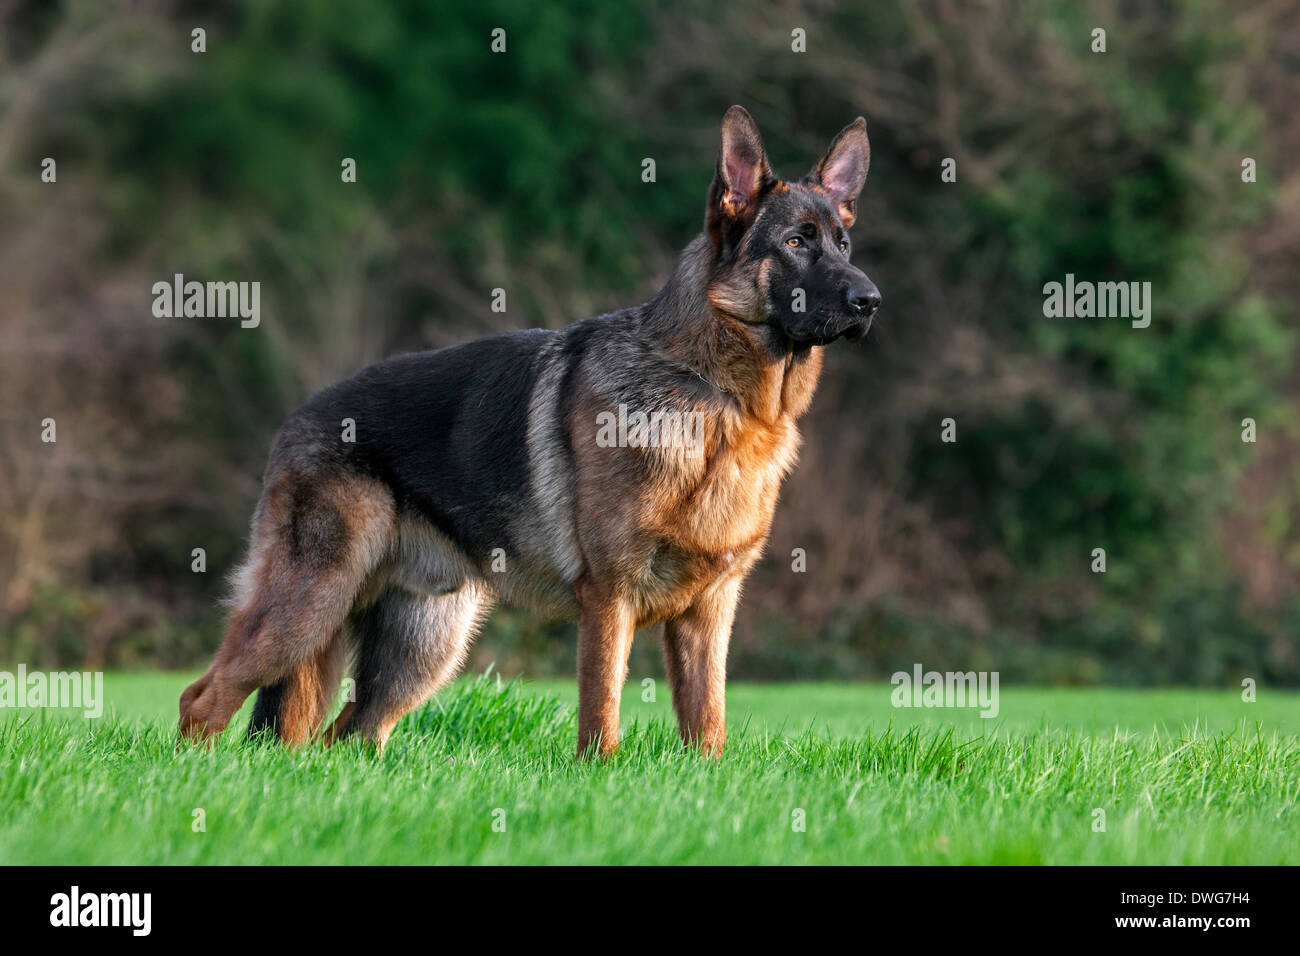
{"x": 813, "y": 773}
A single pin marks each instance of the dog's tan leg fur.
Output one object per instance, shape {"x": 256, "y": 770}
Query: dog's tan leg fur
{"x": 695, "y": 648}
{"x": 604, "y": 642}
{"x": 309, "y": 691}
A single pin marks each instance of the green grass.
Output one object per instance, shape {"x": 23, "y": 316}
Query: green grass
{"x": 1183, "y": 777}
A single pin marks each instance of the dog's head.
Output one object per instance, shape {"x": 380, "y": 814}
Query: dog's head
{"x": 783, "y": 247}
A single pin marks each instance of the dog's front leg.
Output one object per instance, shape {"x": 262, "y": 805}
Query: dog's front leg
{"x": 695, "y": 646}
{"x": 604, "y": 642}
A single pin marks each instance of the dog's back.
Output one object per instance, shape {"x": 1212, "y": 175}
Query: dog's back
{"x": 446, "y": 431}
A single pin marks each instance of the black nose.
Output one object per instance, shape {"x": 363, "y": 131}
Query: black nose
{"x": 864, "y": 298}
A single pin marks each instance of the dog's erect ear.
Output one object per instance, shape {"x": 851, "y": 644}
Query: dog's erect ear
{"x": 843, "y": 170}
{"x": 741, "y": 176}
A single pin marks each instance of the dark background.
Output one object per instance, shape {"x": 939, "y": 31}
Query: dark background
{"x": 522, "y": 171}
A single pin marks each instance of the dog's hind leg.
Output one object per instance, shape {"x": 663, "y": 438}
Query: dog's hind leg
{"x": 315, "y": 542}
{"x": 409, "y": 646}
{"x": 294, "y": 707}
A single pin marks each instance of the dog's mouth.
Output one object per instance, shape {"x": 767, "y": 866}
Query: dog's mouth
{"x": 852, "y": 332}
{"x": 857, "y": 331}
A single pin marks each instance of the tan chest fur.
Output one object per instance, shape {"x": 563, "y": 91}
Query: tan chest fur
{"x": 708, "y": 517}
{"x": 727, "y": 504}
{"x": 683, "y": 518}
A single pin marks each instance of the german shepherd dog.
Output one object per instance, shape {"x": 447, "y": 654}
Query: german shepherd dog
{"x": 478, "y": 474}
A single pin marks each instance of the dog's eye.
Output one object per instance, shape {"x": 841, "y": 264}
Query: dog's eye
{"x": 794, "y": 242}
{"x": 844, "y": 246}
